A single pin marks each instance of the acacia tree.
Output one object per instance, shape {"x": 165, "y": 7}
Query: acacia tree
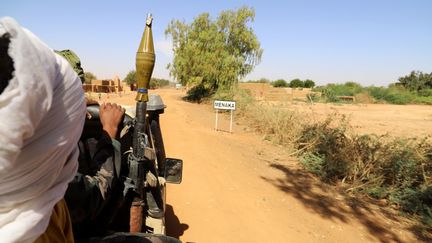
{"x": 88, "y": 77}
{"x": 309, "y": 83}
{"x": 214, "y": 53}
{"x": 280, "y": 83}
{"x": 417, "y": 81}
{"x": 130, "y": 77}
{"x": 296, "y": 83}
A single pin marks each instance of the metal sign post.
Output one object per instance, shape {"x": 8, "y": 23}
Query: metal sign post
{"x": 231, "y": 121}
{"x": 224, "y": 105}
{"x": 216, "y": 126}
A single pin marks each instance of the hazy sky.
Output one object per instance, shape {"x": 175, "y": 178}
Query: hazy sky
{"x": 367, "y": 41}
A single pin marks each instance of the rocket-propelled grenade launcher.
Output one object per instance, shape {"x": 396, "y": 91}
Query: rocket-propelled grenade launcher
{"x": 145, "y": 60}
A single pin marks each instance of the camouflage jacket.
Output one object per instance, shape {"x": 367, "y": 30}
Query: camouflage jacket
{"x": 91, "y": 191}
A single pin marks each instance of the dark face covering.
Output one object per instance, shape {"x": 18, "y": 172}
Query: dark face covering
{"x": 6, "y": 63}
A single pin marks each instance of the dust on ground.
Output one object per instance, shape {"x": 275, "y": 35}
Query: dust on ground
{"x": 239, "y": 188}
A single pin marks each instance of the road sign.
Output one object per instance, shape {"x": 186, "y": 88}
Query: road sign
{"x": 224, "y": 105}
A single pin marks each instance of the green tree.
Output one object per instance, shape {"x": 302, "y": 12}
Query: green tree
{"x": 309, "y": 83}
{"x": 130, "y": 77}
{"x": 214, "y": 53}
{"x": 296, "y": 83}
{"x": 158, "y": 83}
{"x": 417, "y": 81}
{"x": 88, "y": 77}
{"x": 280, "y": 83}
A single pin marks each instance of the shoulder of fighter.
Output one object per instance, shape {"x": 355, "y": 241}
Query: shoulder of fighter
{"x": 73, "y": 60}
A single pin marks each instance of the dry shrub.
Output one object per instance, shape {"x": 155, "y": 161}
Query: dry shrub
{"x": 398, "y": 170}
{"x": 364, "y": 98}
{"x": 274, "y": 121}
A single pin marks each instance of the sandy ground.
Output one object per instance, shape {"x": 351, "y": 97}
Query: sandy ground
{"x": 396, "y": 120}
{"x": 239, "y": 188}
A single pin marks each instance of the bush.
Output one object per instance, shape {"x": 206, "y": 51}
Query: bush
{"x": 392, "y": 95}
{"x": 309, "y": 83}
{"x": 425, "y": 92}
{"x": 364, "y": 98}
{"x": 280, "y": 83}
{"x": 261, "y": 80}
{"x": 423, "y": 100}
{"x": 332, "y": 91}
{"x": 395, "y": 169}
{"x": 296, "y": 83}
{"x": 197, "y": 93}
{"x": 331, "y": 138}
{"x": 88, "y": 77}
{"x": 347, "y": 89}
{"x": 224, "y": 94}
{"x": 276, "y": 123}
{"x": 130, "y": 77}
{"x": 313, "y": 163}
{"x": 314, "y": 97}
{"x": 330, "y": 95}
{"x": 158, "y": 83}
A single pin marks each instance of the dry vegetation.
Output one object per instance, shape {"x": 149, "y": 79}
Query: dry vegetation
{"x": 395, "y": 171}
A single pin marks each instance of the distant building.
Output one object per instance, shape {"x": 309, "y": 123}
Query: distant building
{"x": 104, "y": 86}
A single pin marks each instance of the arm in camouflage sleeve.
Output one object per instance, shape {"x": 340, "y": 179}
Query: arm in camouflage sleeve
{"x": 87, "y": 195}
{"x": 91, "y": 191}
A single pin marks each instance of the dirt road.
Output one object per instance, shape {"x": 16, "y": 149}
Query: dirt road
{"x": 238, "y": 188}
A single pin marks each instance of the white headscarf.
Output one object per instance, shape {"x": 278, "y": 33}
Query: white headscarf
{"x": 42, "y": 113}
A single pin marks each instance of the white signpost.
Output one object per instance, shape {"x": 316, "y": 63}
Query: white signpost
{"x": 224, "y": 105}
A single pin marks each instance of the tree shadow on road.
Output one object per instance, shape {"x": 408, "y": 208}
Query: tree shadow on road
{"x": 173, "y": 226}
{"x": 317, "y": 197}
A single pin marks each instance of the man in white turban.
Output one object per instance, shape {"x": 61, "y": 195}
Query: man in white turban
{"x": 42, "y": 111}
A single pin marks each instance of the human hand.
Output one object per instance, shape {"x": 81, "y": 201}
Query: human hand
{"x": 110, "y": 117}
